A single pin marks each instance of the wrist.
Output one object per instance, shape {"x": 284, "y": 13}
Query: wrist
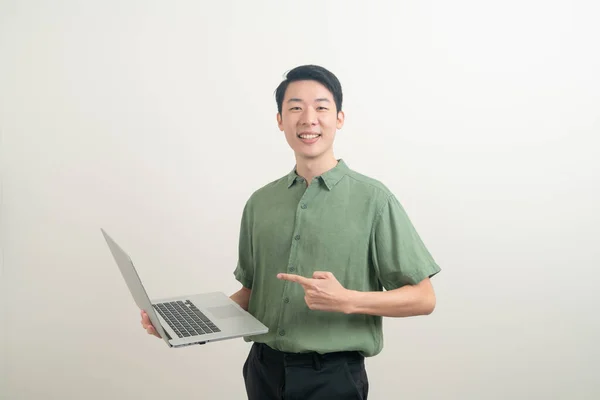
{"x": 350, "y": 303}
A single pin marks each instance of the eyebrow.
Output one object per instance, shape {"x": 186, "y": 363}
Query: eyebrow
{"x": 295, "y": 99}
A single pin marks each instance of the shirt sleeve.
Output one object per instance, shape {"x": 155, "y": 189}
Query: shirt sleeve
{"x": 398, "y": 253}
{"x": 244, "y": 271}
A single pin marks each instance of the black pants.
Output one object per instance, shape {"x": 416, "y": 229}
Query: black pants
{"x": 270, "y": 374}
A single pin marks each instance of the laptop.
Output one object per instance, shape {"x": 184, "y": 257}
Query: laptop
{"x": 187, "y": 320}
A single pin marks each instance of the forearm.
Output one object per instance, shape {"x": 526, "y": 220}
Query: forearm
{"x": 242, "y": 297}
{"x": 406, "y": 301}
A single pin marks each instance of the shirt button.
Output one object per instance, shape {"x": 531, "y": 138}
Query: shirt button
{"x": 292, "y": 269}
{"x": 297, "y": 237}
{"x": 303, "y": 206}
{"x": 281, "y": 332}
{"x": 286, "y": 300}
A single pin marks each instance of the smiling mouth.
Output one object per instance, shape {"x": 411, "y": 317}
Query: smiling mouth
{"x": 309, "y": 136}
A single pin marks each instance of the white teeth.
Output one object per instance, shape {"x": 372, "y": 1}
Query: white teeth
{"x": 309, "y": 136}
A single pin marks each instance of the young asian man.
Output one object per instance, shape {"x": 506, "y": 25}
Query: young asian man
{"x": 324, "y": 254}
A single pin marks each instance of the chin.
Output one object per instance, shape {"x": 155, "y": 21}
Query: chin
{"x": 311, "y": 152}
{"x": 309, "y": 155}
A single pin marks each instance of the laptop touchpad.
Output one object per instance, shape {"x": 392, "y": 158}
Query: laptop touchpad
{"x": 228, "y": 311}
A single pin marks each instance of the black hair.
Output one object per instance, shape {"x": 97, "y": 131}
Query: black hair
{"x": 313, "y": 73}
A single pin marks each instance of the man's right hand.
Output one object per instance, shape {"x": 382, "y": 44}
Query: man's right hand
{"x": 147, "y": 324}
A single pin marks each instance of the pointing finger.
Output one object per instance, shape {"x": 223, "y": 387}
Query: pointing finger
{"x": 294, "y": 278}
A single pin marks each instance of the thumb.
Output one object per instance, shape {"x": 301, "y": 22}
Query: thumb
{"x": 322, "y": 275}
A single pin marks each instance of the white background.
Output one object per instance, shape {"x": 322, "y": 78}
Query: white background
{"x": 156, "y": 121}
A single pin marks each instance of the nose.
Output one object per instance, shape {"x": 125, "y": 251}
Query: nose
{"x": 309, "y": 117}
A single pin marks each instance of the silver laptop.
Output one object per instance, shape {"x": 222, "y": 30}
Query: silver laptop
{"x": 187, "y": 320}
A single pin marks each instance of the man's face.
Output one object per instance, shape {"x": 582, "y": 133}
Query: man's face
{"x": 309, "y": 119}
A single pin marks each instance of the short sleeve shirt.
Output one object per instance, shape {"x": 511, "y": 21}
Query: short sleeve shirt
{"x": 343, "y": 222}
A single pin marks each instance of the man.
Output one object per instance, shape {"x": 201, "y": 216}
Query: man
{"x": 324, "y": 254}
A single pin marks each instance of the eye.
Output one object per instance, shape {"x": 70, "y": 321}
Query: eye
{"x": 294, "y": 108}
{"x": 322, "y": 108}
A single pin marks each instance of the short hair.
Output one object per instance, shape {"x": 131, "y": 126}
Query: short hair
{"x": 313, "y": 73}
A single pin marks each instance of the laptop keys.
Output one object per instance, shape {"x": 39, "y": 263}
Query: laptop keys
{"x": 185, "y": 318}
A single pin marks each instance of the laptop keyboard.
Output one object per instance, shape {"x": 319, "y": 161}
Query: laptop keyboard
{"x": 185, "y": 318}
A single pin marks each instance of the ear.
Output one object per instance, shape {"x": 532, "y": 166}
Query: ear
{"x": 340, "y": 119}
{"x": 279, "y": 122}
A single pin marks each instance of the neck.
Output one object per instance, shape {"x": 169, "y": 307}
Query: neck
{"x": 309, "y": 168}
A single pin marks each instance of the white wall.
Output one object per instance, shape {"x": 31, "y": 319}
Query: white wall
{"x": 156, "y": 120}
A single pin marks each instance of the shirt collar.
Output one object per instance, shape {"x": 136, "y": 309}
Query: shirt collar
{"x": 330, "y": 178}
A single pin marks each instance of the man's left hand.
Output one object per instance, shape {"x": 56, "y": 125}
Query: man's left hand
{"x": 323, "y": 292}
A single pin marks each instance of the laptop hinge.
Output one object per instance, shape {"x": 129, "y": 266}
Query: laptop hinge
{"x": 166, "y": 333}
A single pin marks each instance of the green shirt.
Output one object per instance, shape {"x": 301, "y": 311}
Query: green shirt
{"x": 344, "y": 223}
